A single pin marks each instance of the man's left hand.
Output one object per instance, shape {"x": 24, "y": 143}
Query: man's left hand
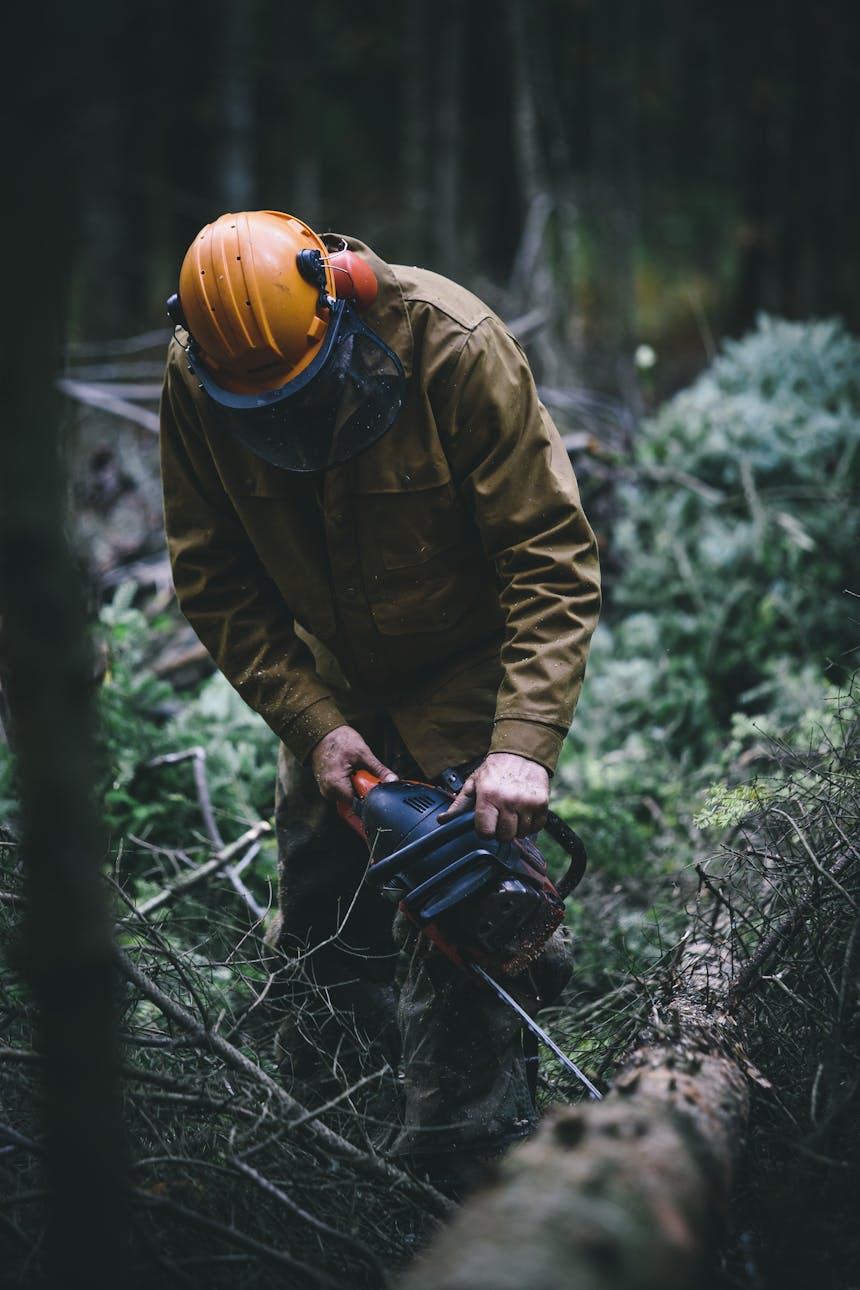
{"x": 511, "y": 796}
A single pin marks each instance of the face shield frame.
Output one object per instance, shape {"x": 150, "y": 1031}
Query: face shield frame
{"x": 335, "y": 408}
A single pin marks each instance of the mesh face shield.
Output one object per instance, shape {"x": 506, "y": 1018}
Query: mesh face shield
{"x": 334, "y": 409}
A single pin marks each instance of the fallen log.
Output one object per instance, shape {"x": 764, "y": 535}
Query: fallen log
{"x": 627, "y": 1194}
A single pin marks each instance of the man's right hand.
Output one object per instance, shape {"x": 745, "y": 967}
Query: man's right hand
{"x": 337, "y": 756}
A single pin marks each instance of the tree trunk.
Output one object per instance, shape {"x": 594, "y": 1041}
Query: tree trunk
{"x": 624, "y": 1194}
{"x": 66, "y": 946}
{"x": 237, "y": 163}
{"x": 416, "y": 132}
{"x": 614, "y": 197}
{"x": 447, "y": 247}
{"x": 630, "y": 1193}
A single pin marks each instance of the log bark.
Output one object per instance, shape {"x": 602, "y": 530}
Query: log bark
{"x": 626, "y": 1194}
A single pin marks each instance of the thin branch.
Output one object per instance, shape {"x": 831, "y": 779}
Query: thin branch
{"x": 24, "y": 1055}
{"x": 82, "y": 349}
{"x": 19, "y": 1140}
{"x": 325, "y": 1229}
{"x": 666, "y": 474}
{"x": 197, "y": 1101}
{"x": 342, "y": 1096}
{"x": 202, "y": 872}
{"x": 232, "y": 1234}
{"x": 784, "y": 929}
{"x": 264, "y": 1143}
{"x": 13, "y": 1228}
{"x": 198, "y": 756}
{"x": 204, "y": 799}
{"x": 365, "y": 1164}
{"x": 829, "y": 875}
{"x": 232, "y": 874}
{"x": 168, "y": 1082}
{"x": 735, "y": 913}
{"x": 96, "y": 396}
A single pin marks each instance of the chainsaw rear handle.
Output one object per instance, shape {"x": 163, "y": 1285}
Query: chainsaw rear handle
{"x": 362, "y": 782}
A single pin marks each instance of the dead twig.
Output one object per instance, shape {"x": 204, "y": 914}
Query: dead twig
{"x": 234, "y": 1236}
{"x": 362, "y": 1162}
{"x": 828, "y": 875}
{"x": 19, "y": 1140}
{"x": 198, "y": 756}
{"x": 177, "y": 659}
{"x": 204, "y": 798}
{"x": 748, "y": 977}
{"x": 99, "y": 396}
{"x": 203, "y": 871}
{"x": 325, "y": 1229}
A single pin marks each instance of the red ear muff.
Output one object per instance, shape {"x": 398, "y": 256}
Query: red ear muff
{"x": 353, "y": 278}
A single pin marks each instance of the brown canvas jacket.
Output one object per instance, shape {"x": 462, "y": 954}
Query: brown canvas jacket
{"x": 447, "y": 576}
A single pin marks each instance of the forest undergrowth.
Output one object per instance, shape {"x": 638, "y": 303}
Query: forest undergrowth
{"x": 713, "y": 773}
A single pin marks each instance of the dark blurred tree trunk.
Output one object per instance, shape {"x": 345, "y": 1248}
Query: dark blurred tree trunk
{"x": 448, "y": 233}
{"x": 534, "y": 290}
{"x": 66, "y": 948}
{"x": 416, "y": 142}
{"x": 544, "y": 272}
{"x": 293, "y": 73}
{"x": 97, "y": 299}
{"x": 527, "y": 151}
{"x": 792, "y": 88}
{"x": 614, "y": 198}
{"x": 237, "y": 127}
{"x": 762, "y": 125}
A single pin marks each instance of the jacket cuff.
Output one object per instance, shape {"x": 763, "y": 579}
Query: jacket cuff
{"x": 530, "y": 739}
{"x": 306, "y": 729}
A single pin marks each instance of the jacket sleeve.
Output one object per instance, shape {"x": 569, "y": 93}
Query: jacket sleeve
{"x": 516, "y": 479}
{"x": 224, "y": 591}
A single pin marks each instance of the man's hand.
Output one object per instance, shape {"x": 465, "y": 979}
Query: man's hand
{"x": 511, "y": 795}
{"x": 337, "y": 755}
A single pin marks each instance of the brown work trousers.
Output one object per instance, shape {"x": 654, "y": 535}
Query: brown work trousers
{"x": 361, "y": 984}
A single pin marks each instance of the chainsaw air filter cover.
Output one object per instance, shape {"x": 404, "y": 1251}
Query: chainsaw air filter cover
{"x": 489, "y": 900}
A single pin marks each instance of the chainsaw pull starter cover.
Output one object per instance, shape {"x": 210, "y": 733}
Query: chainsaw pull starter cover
{"x": 477, "y": 898}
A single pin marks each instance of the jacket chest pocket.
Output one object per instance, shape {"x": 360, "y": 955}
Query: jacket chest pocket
{"x": 283, "y": 520}
{"x": 420, "y": 552}
{"x": 411, "y": 529}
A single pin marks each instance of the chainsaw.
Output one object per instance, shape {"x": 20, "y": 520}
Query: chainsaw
{"x": 489, "y": 906}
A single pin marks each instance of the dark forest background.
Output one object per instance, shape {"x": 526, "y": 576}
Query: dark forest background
{"x": 690, "y": 164}
{"x": 631, "y": 185}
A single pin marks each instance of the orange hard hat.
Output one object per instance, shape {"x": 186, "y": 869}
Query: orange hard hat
{"x": 276, "y": 340}
{"x": 256, "y": 318}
